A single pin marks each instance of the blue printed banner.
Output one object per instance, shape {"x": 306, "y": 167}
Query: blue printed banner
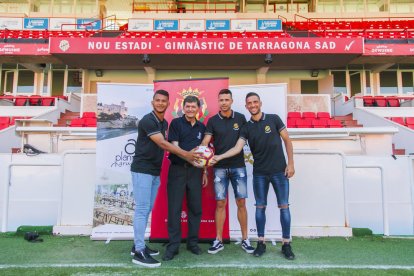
{"x": 83, "y": 24}
{"x": 166, "y": 25}
{"x": 217, "y": 25}
{"x": 36, "y": 23}
{"x": 269, "y": 24}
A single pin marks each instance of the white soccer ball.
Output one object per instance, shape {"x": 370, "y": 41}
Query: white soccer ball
{"x": 206, "y": 154}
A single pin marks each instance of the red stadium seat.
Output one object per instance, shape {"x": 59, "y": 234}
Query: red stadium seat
{"x": 294, "y": 114}
{"x": 393, "y": 102}
{"x": 4, "y": 120}
{"x": 368, "y": 101}
{"x": 35, "y": 100}
{"x": 302, "y": 123}
{"x": 90, "y": 122}
{"x": 21, "y": 101}
{"x": 320, "y": 115}
{"x": 308, "y": 115}
{"x": 380, "y": 102}
{"x": 409, "y": 120}
{"x": 88, "y": 115}
{"x": 319, "y": 123}
{"x": 77, "y": 122}
{"x": 48, "y": 101}
{"x": 291, "y": 122}
{"x": 334, "y": 124}
{"x": 398, "y": 120}
{"x": 3, "y": 126}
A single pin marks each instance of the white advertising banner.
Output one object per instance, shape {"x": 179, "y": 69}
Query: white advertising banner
{"x": 192, "y": 25}
{"x": 273, "y": 97}
{"x": 64, "y": 24}
{"x": 243, "y": 25}
{"x": 11, "y": 23}
{"x": 140, "y": 25}
{"x": 120, "y": 107}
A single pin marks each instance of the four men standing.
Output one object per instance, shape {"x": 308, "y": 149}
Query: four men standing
{"x": 230, "y": 132}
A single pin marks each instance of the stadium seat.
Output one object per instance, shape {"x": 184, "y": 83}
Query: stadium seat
{"x": 35, "y": 100}
{"x": 380, "y": 102}
{"x": 334, "y": 124}
{"x": 77, "y": 122}
{"x": 291, "y": 122}
{"x": 320, "y": 115}
{"x": 3, "y": 126}
{"x": 302, "y": 123}
{"x": 21, "y": 101}
{"x": 48, "y": 101}
{"x": 368, "y": 101}
{"x": 90, "y": 122}
{"x": 398, "y": 120}
{"x": 409, "y": 121}
{"x": 308, "y": 115}
{"x": 393, "y": 102}
{"x": 88, "y": 115}
{"x": 319, "y": 123}
{"x": 294, "y": 114}
{"x": 4, "y": 120}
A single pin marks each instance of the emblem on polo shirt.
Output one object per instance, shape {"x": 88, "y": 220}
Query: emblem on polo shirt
{"x": 267, "y": 129}
{"x": 236, "y": 126}
{"x": 199, "y": 136}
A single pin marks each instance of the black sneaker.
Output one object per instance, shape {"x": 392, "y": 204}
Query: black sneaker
{"x": 287, "y": 251}
{"x": 216, "y": 247}
{"x": 144, "y": 259}
{"x": 247, "y": 247}
{"x": 260, "y": 249}
{"x": 152, "y": 252}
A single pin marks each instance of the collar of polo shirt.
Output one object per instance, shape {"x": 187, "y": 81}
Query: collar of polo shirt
{"x": 261, "y": 119}
{"x": 221, "y": 117}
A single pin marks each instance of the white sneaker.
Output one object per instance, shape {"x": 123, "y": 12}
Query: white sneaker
{"x": 216, "y": 247}
{"x": 247, "y": 247}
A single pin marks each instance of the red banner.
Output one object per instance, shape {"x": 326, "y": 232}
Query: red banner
{"x": 206, "y": 45}
{"x": 389, "y": 49}
{"x": 23, "y": 49}
{"x": 206, "y": 90}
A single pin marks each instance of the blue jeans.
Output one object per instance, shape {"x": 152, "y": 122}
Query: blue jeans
{"x": 280, "y": 184}
{"x": 145, "y": 190}
{"x": 238, "y": 178}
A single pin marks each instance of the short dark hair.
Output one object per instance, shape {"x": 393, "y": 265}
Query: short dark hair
{"x": 225, "y": 91}
{"x": 251, "y": 94}
{"x": 161, "y": 92}
{"x": 191, "y": 99}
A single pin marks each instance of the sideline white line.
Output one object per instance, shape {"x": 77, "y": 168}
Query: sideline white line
{"x": 292, "y": 266}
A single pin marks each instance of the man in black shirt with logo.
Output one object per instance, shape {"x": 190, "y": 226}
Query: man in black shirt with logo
{"x": 224, "y": 128}
{"x": 264, "y": 133}
{"x": 145, "y": 171}
{"x": 184, "y": 179}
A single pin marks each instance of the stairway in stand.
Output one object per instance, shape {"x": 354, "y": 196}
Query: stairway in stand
{"x": 348, "y": 121}
{"x": 66, "y": 117}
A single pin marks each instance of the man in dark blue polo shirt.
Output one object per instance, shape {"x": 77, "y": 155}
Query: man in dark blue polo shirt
{"x": 264, "y": 133}
{"x": 224, "y": 128}
{"x": 184, "y": 179}
{"x": 145, "y": 171}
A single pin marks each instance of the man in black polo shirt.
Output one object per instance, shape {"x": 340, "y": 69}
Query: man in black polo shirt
{"x": 145, "y": 171}
{"x": 183, "y": 178}
{"x": 225, "y": 128}
{"x": 264, "y": 133}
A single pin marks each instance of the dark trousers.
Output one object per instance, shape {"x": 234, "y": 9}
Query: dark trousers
{"x": 183, "y": 180}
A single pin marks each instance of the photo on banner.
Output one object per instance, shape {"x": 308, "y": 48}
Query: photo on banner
{"x": 273, "y": 97}
{"x": 119, "y": 109}
{"x": 207, "y": 92}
